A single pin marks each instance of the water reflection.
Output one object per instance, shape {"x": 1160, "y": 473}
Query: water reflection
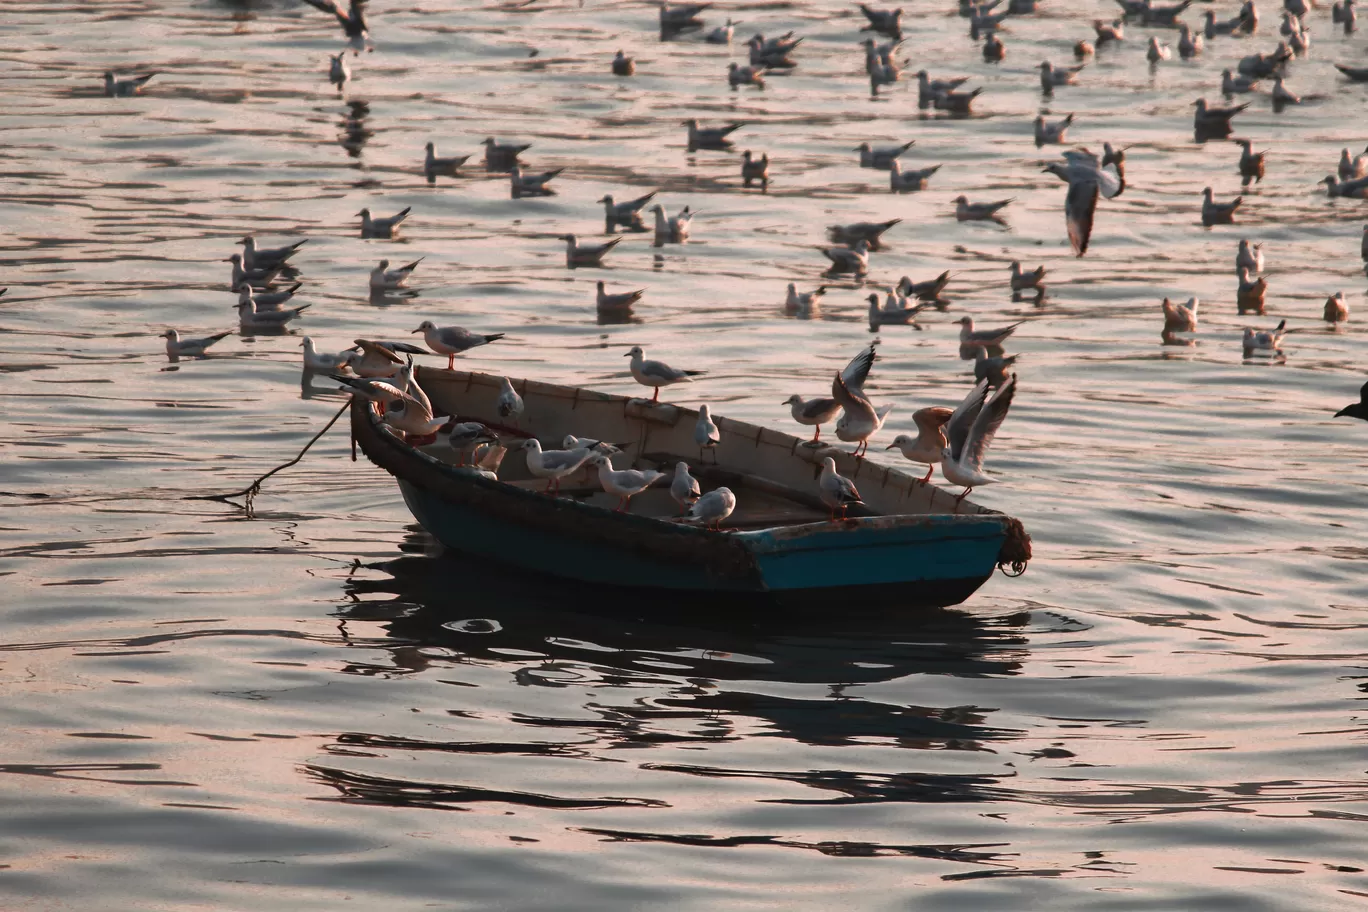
{"x": 355, "y": 134}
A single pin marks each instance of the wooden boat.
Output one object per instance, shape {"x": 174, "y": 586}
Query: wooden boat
{"x": 910, "y": 544}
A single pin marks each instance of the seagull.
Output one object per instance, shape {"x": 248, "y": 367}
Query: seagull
{"x": 252, "y": 318}
{"x": 176, "y": 347}
{"x": 1351, "y": 166}
{"x": 626, "y": 214}
{"x": 1249, "y": 256}
{"x": 123, "y": 88}
{"x": 1023, "y": 280}
{"x": 531, "y": 184}
{"x": 1236, "y": 85}
{"x": 1336, "y": 310}
{"x": 502, "y": 156}
{"x": 623, "y": 483}
{"x": 994, "y": 51}
{"x": 657, "y": 373}
{"x": 1189, "y": 43}
{"x": 738, "y": 75}
{"x": 1213, "y": 28}
{"x": 706, "y": 434}
{"x": 1251, "y": 162}
{"x": 1051, "y": 76}
{"x": 1282, "y": 95}
{"x": 869, "y": 232}
{"x": 684, "y": 488}
{"x": 1356, "y": 409}
{"x": 722, "y": 34}
{"x": 1357, "y": 188}
{"x": 671, "y": 230}
{"x": 835, "y": 490}
{"x": 681, "y": 16}
{"x": 338, "y": 71}
{"x": 1088, "y": 179}
{"x": 805, "y": 302}
{"x": 1261, "y": 66}
{"x": 892, "y": 316}
{"x": 928, "y": 291}
{"x": 926, "y": 447}
{"x": 712, "y": 508}
{"x": 1214, "y": 213}
{"x": 710, "y": 137}
{"x": 453, "y": 340}
{"x": 381, "y": 227}
{"x": 1357, "y": 74}
{"x": 1106, "y": 32}
{"x": 969, "y": 431}
{"x": 374, "y": 390}
{"x": 900, "y": 181}
{"x": 268, "y": 300}
{"x": 771, "y": 57}
{"x": 1250, "y": 293}
{"x": 1264, "y": 340}
{"x": 382, "y": 278}
{"x": 957, "y": 102}
{"x": 885, "y": 22}
{"x": 1180, "y": 318}
{"x": 854, "y": 259}
{"x": 971, "y": 338}
{"x": 1082, "y": 49}
{"x": 754, "y": 169}
{"x": 619, "y": 301}
{"x": 930, "y": 91}
{"x": 1214, "y": 120}
{"x": 860, "y": 420}
{"x": 1157, "y": 52}
{"x": 812, "y": 412}
{"x": 325, "y": 362}
{"x": 883, "y": 157}
{"x": 966, "y": 211}
{"x": 445, "y": 167}
{"x": 623, "y": 65}
{"x": 466, "y": 435}
{"x": 553, "y": 465}
{"x": 250, "y": 278}
{"x": 992, "y": 369}
{"x": 577, "y": 254}
{"x": 377, "y": 360}
{"x": 256, "y": 258}
{"x": 352, "y": 20}
{"x": 1051, "y": 133}
{"x": 509, "y": 405}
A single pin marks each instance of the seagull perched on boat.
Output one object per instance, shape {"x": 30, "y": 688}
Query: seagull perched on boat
{"x": 382, "y": 278}
{"x": 380, "y": 359}
{"x": 706, "y": 434}
{"x": 835, "y": 490}
{"x": 509, "y": 405}
{"x": 352, "y": 20}
{"x": 1180, "y": 318}
{"x": 813, "y": 412}
{"x": 684, "y": 488}
{"x": 853, "y": 259}
{"x": 657, "y": 373}
{"x": 252, "y": 318}
{"x": 412, "y": 416}
{"x": 326, "y": 362}
{"x": 176, "y": 347}
{"x": 883, "y": 156}
{"x": 467, "y": 435}
{"x": 1088, "y": 179}
{"x": 619, "y": 301}
{"x": 124, "y": 88}
{"x": 713, "y": 508}
{"x": 577, "y": 254}
{"x": 453, "y": 340}
{"x": 553, "y": 465}
{"x": 1356, "y": 409}
{"x": 382, "y": 227}
{"x": 626, "y": 214}
{"x": 671, "y": 230}
{"x": 1264, "y": 340}
{"x": 969, "y": 431}
{"x": 264, "y": 258}
{"x": 445, "y": 167}
{"x": 926, "y": 447}
{"x": 623, "y": 483}
{"x": 860, "y": 420}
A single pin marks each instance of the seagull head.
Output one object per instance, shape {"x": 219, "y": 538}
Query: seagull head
{"x": 962, "y": 199}
{"x": 234, "y": 259}
{"x": 364, "y": 213}
{"x": 965, "y": 321}
{"x": 430, "y": 147}
{"x": 606, "y": 199}
{"x": 900, "y": 440}
{"x": 636, "y": 352}
{"x": 569, "y": 238}
{"x": 384, "y": 264}
{"x": 795, "y": 399}
{"x": 424, "y": 327}
{"x": 171, "y": 334}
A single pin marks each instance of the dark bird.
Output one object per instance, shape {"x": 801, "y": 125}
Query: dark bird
{"x": 1357, "y": 409}
{"x": 352, "y": 20}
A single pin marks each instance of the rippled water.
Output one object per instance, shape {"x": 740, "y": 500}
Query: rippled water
{"x": 203, "y": 711}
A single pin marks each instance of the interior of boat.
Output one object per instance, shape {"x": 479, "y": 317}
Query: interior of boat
{"x": 773, "y": 475}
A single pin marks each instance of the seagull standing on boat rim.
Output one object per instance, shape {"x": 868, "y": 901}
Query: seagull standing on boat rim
{"x": 969, "y": 431}
{"x": 813, "y": 413}
{"x": 657, "y": 373}
{"x": 553, "y": 465}
{"x": 860, "y": 419}
{"x": 926, "y": 447}
{"x": 623, "y": 483}
{"x": 712, "y": 508}
{"x": 453, "y": 340}
{"x": 706, "y": 434}
{"x": 835, "y": 490}
{"x": 684, "y": 488}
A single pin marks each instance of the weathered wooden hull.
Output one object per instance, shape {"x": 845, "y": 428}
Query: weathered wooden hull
{"x": 920, "y": 559}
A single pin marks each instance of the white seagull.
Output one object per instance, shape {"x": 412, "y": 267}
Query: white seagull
{"x": 969, "y": 431}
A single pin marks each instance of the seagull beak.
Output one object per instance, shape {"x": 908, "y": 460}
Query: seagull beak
{"x": 889, "y": 447}
{"x": 412, "y": 331}
{"x": 628, "y": 355}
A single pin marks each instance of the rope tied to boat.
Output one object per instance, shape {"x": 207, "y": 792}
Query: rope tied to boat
{"x": 249, "y": 493}
{"x": 1016, "y": 549}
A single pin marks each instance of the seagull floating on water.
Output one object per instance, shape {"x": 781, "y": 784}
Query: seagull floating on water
{"x": 754, "y": 169}
{"x": 264, "y": 258}
{"x": 124, "y": 88}
{"x": 1356, "y": 409}
{"x": 900, "y": 181}
{"x": 807, "y": 301}
{"x": 1336, "y": 309}
{"x": 531, "y": 184}
{"x": 502, "y": 156}
{"x": 623, "y": 65}
{"x": 372, "y": 227}
{"x": 382, "y": 278}
{"x": 710, "y": 137}
{"x": 433, "y": 167}
{"x": 625, "y": 214}
{"x": 882, "y": 157}
{"x": 1264, "y": 340}
{"x": 1051, "y": 133}
{"x": 253, "y": 318}
{"x": 577, "y": 254}
{"x": 853, "y": 259}
{"x": 671, "y": 230}
{"x": 966, "y": 211}
{"x": 176, "y": 347}
{"x": 1180, "y": 318}
{"x": 620, "y": 301}
{"x": 869, "y": 232}
{"x": 338, "y": 71}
